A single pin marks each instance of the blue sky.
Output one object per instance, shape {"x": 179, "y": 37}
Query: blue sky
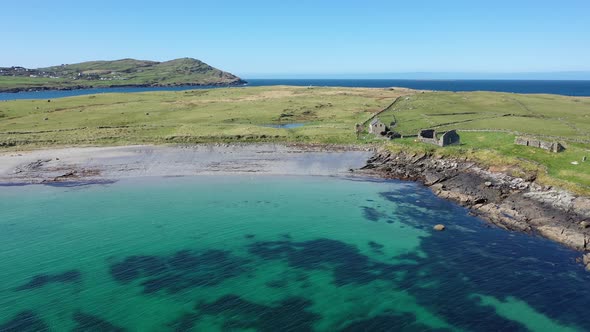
{"x": 306, "y": 38}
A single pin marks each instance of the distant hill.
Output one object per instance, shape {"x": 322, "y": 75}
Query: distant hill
{"x": 125, "y": 72}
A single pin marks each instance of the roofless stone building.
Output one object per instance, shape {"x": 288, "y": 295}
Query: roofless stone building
{"x": 376, "y": 127}
{"x": 447, "y": 138}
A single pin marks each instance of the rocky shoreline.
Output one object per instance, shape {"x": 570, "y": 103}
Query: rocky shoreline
{"x": 510, "y": 202}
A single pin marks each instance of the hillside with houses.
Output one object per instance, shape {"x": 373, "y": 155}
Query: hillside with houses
{"x": 125, "y": 72}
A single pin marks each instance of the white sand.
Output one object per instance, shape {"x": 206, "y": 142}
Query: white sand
{"x": 112, "y": 163}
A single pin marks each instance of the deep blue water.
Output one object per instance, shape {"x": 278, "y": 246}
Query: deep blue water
{"x": 568, "y": 88}
{"x": 561, "y": 87}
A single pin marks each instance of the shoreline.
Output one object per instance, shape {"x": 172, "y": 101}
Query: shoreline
{"x": 98, "y": 164}
{"x": 146, "y": 85}
{"x": 509, "y": 202}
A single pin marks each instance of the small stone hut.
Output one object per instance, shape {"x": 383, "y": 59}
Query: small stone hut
{"x": 428, "y": 136}
{"x": 448, "y": 138}
{"x": 545, "y": 145}
{"x": 376, "y": 127}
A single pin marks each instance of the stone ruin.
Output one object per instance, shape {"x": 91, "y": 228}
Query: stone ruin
{"x": 379, "y": 129}
{"x": 448, "y": 138}
{"x": 428, "y": 136}
{"x": 549, "y": 146}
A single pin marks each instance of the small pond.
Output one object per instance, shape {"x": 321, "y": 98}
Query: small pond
{"x": 285, "y": 125}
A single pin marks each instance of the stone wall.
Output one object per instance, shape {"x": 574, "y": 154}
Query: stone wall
{"x": 545, "y": 145}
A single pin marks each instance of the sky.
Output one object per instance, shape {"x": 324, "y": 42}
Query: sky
{"x": 301, "y": 38}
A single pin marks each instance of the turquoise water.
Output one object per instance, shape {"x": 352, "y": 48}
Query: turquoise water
{"x": 218, "y": 253}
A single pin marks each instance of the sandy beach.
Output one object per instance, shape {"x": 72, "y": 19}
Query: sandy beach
{"x": 84, "y": 164}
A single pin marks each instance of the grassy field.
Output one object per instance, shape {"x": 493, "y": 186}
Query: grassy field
{"x": 487, "y": 122}
{"x": 216, "y": 115}
{"x": 539, "y": 115}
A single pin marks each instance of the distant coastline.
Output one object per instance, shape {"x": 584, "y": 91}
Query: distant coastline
{"x": 574, "y": 88}
{"x": 115, "y": 73}
{"x": 116, "y": 86}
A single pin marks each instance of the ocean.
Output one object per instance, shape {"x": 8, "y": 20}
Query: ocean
{"x": 567, "y": 88}
{"x": 273, "y": 253}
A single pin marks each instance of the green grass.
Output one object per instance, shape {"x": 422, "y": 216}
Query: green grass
{"x": 557, "y": 165}
{"x": 498, "y": 151}
{"x": 547, "y": 115}
{"x": 329, "y": 114}
{"x": 216, "y": 115}
{"x": 488, "y": 123}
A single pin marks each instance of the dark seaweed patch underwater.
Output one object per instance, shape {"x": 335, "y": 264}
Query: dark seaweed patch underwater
{"x": 25, "y": 321}
{"x": 181, "y": 270}
{"x": 327, "y": 254}
{"x": 344, "y": 261}
{"x": 290, "y": 314}
{"x": 40, "y": 280}
{"x": 90, "y": 323}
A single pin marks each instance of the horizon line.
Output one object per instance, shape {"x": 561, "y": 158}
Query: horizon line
{"x": 549, "y": 75}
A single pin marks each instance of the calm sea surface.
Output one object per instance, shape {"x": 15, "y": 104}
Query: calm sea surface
{"x": 568, "y": 88}
{"x": 273, "y": 254}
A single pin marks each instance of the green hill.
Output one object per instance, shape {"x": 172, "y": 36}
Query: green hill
{"x": 125, "y": 72}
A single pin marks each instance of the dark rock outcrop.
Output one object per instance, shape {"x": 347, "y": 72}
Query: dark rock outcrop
{"x": 507, "y": 201}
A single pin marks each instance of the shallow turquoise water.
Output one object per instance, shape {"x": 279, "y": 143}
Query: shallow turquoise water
{"x": 272, "y": 254}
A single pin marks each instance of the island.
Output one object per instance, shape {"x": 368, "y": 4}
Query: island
{"x": 118, "y": 73}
